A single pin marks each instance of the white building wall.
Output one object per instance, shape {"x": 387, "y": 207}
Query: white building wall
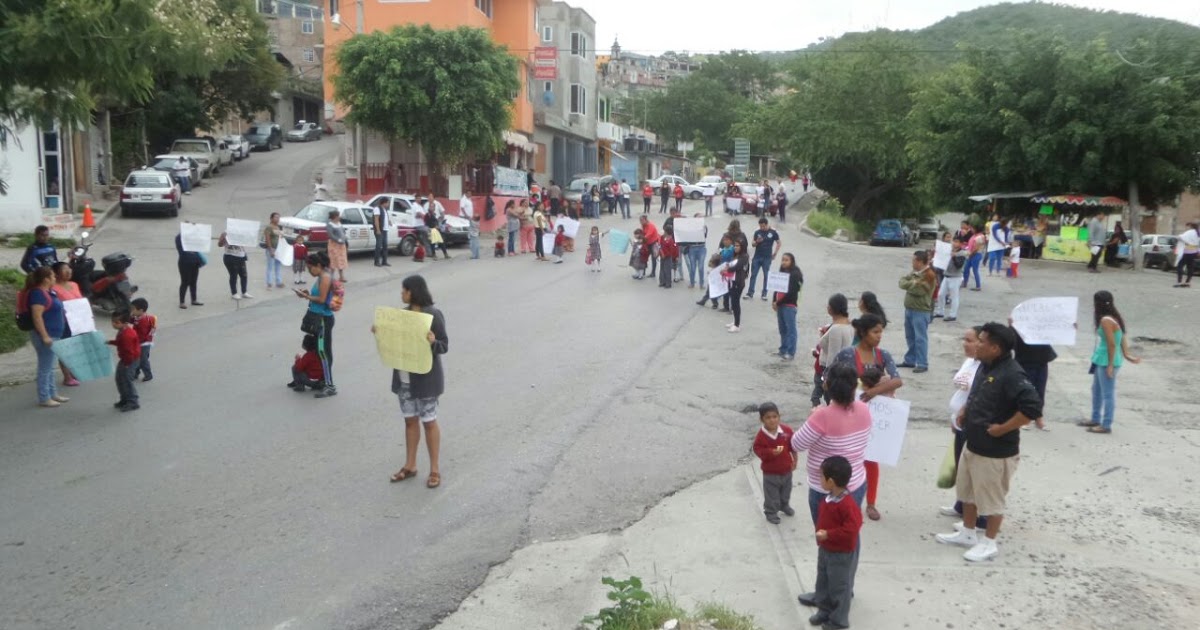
{"x": 21, "y": 208}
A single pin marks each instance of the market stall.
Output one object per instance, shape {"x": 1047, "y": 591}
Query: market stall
{"x": 1067, "y": 237}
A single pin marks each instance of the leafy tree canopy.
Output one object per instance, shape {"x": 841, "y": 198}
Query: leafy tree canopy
{"x": 448, "y": 90}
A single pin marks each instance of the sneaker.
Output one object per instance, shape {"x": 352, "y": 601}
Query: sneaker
{"x": 920, "y": 370}
{"x": 772, "y": 519}
{"x": 236, "y": 296}
{"x": 147, "y": 378}
{"x": 819, "y": 618}
{"x": 129, "y": 407}
{"x": 749, "y": 296}
{"x": 326, "y": 392}
{"x": 950, "y": 319}
{"x": 906, "y": 364}
{"x": 764, "y": 297}
{"x": 734, "y": 329}
{"x": 962, "y": 538}
{"x": 787, "y": 510}
{"x": 948, "y": 511}
{"x": 937, "y": 315}
{"x": 986, "y": 549}
{"x": 246, "y": 296}
{"x": 119, "y": 404}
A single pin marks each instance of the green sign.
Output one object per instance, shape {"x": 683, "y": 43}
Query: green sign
{"x": 1046, "y": 209}
{"x": 741, "y": 151}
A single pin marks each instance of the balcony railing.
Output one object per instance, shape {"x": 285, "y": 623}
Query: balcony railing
{"x": 288, "y": 9}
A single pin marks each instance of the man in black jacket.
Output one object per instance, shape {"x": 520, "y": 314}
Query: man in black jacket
{"x": 40, "y": 252}
{"x": 1002, "y": 401}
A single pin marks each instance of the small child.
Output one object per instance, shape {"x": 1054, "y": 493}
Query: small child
{"x": 593, "y": 252}
{"x": 498, "y": 252}
{"x": 1014, "y": 261}
{"x": 669, "y": 258}
{"x": 299, "y": 254}
{"x": 838, "y": 523}
{"x": 726, "y": 249}
{"x": 307, "y": 370}
{"x": 560, "y": 239}
{"x": 773, "y": 445}
{"x": 638, "y": 255}
{"x": 145, "y": 325}
{"x": 128, "y": 355}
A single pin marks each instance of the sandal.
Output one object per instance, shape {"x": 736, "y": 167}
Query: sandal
{"x": 1099, "y": 430}
{"x": 873, "y": 513}
{"x": 1086, "y": 424}
{"x": 403, "y": 474}
{"x": 434, "y": 480}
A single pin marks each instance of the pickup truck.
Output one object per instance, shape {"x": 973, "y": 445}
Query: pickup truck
{"x": 203, "y": 151}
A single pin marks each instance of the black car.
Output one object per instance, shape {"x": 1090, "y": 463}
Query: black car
{"x": 264, "y": 136}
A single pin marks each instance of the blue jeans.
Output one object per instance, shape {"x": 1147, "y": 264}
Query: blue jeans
{"x": 972, "y": 265}
{"x": 708, "y": 201}
{"x": 473, "y": 240}
{"x": 695, "y": 264}
{"x": 512, "y": 241}
{"x": 759, "y": 264}
{"x": 787, "y": 330}
{"x": 45, "y": 368}
{"x": 996, "y": 261}
{"x": 274, "y": 267}
{"x": 185, "y": 184}
{"x": 1104, "y": 395}
{"x": 916, "y": 333}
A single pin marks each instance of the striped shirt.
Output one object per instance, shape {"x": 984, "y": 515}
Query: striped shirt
{"x": 835, "y": 430}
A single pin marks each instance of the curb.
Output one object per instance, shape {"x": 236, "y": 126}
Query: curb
{"x": 104, "y": 216}
{"x": 785, "y": 550}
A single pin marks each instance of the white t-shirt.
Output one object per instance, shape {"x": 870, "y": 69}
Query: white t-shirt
{"x": 383, "y": 218}
{"x": 182, "y": 168}
{"x": 466, "y": 208}
{"x": 1015, "y": 256}
{"x": 625, "y": 189}
{"x": 1191, "y": 242}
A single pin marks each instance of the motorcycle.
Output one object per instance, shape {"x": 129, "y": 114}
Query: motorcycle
{"x": 107, "y": 289}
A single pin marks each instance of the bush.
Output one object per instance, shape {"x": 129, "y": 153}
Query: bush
{"x": 11, "y": 337}
{"x": 828, "y": 223}
{"x": 23, "y": 240}
{"x": 636, "y": 609}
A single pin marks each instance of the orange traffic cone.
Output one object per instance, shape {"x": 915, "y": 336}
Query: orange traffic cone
{"x": 88, "y": 220}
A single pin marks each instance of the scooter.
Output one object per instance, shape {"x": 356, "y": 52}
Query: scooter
{"x": 108, "y": 289}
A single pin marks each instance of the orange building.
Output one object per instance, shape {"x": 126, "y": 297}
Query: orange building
{"x": 512, "y": 23}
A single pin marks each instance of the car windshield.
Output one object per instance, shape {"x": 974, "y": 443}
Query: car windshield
{"x": 300, "y": 126}
{"x": 234, "y": 139}
{"x": 318, "y": 212}
{"x": 147, "y": 180}
{"x": 259, "y": 131}
{"x": 581, "y": 184}
{"x": 165, "y": 164}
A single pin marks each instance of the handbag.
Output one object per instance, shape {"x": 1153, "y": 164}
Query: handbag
{"x": 948, "y": 472}
{"x": 312, "y": 323}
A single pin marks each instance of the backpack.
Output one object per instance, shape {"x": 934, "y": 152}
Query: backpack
{"x": 337, "y": 294}
{"x": 24, "y": 314}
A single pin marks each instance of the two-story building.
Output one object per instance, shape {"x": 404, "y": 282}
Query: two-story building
{"x": 565, "y": 95}
{"x": 297, "y": 33}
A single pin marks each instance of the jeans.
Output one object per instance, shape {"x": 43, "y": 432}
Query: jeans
{"x": 679, "y": 204}
{"x": 236, "y": 266}
{"x": 708, "y": 201}
{"x": 124, "y": 375}
{"x": 916, "y": 333}
{"x": 1104, "y": 395}
{"x": 759, "y": 264}
{"x": 1095, "y": 258}
{"x": 1039, "y": 375}
{"x": 538, "y": 247}
{"x": 473, "y": 242}
{"x": 275, "y": 268}
{"x": 45, "y": 368}
{"x": 996, "y": 261}
{"x": 735, "y": 302}
{"x": 143, "y": 365}
{"x": 972, "y": 265}
{"x": 512, "y": 241}
{"x": 787, "y": 330}
{"x": 818, "y": 392}
{"x": 625, "y": 211}
{"x": 1186, "y": 263}
{"x": 695, "y": 264}
{"x": 952, "y": 289}
{"x": 381, "y": 247}
{"x": 662, "y": 209}
{"x": 189, "y": 274}
{"x": 646, "y": 204}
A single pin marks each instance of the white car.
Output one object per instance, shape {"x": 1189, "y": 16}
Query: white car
{"x": 691, "y": 191}
{"x": 310, "y": 221}
{"x": 713, "y": 181}
{"x": 202, "y": 151}
{"x": 402, "y": 210}
{"x": 239, "y": 146}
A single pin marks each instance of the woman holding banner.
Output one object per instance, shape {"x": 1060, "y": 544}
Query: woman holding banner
{"x": 189, "y": 272}
{"x": 234, "y": 259}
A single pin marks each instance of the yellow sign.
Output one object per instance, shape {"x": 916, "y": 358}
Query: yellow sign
{"x": 401, "y": 336}
{"x": 1066, "y": 250}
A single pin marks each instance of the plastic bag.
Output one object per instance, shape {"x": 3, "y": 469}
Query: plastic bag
{"x": 948, "y": 472}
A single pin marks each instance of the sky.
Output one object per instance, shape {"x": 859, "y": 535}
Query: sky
{"x": 656, "y": 26}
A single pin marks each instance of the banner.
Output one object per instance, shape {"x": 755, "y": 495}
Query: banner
{"x": 618, "y": 241}
{"x": 1047, "y": 320}
{"x": 889, "y": 422}
{"x": 570, "y": 226}
{"x": 547, "y": 244}
{"x": 195, "y": 237}
{"x": 941, "y": 254}
{"x": 689, "y": 230}
{"x": 80, "y": 318}
{"x": 509, "y": 182}
{"x": 87, "y": 355}
{"x": 777, "y": 282}
{"x": 284, "y": 252}
{"x": 242, "y": 233}
{"x": 401, "y": 338}
{"x": 717, "y": 286}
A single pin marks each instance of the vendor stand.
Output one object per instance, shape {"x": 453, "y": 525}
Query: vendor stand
{"x": 1067, "y": 236}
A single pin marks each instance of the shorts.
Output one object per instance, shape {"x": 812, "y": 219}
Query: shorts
{"x": 984, "y": 481}
{"x": 424, "y": 408}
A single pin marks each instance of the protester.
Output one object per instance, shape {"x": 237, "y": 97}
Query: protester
{"x": 773, "y": 446}
{"x": 962, "y": 381}
{"x": 540, "y": 225}
{"x": 1112, "y": 350}
{"x": 145, "y": 325}
{"x": 739, "y": 267}
{"x": 664, "y": 195}
{"x": 670, "y": 257}
{"x": 319, "y": 298}
{"x": 951, "y": 283}
{"x": 781, "y": 203}
{"x": 418, "y": 393}
{"x": 234, "y": 259}
{"x": 1035, "y": 361}
{"x": 999, "y": 240}
{"x": 785, "y": 305}
{"x": 337, "y": 247}
{"x": 525, "y": 214}
{"x": 48, "y": 322}
{"x": 66, "y": 290}
{"x": 307, "y": 372}
{"x": 918, "y": 310}
{"x": 271, "y": 234}
{"x": 976, "y": 243}
{"x": 39, "y": 253}
{"x": 678, "y": 194}
{"x": 473, "y": 235}
{"x": 766, "y": 248}
{"x": 694, "y": 253}
{"x": 834, "y": 337}
{"x": 299, "y": 253}
{"x": 1002, "y": 400}
{"x": 647, "y": 197}
{"x": 1190, "y": 240}
{"x": 625, "y": 191}
{"x": 560, "y": 240}
{"x": 594, "y": 252}
{"x": 380, "y": 226}
{"x": 513, "y": 226}
{"x": 128, "y": 355}
{"x": 1097, "y": 236}
{"x": 650, "y": 243}
{"x": 838, "y": 524}
{"x": 555, "y": 194}
{"x": 1113, "y": 246}
{"x": 189, "y": 272}
{"x": 869, "y": 303}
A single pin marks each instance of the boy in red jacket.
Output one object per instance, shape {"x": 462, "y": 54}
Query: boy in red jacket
{"x": 307, "y": 371}
{"x": 129, "y": 354}
{"x": 773, "y": 445}
{"x": 838, "y": 522}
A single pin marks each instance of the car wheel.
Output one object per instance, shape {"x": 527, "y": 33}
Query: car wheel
{"x": 124, "y": 212}
{"x": 695, "y": 196}
{"x": 174, "y": 211}
{"x": 408, "y": 245}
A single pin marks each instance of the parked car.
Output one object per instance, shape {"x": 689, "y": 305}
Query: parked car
{"x": 151, "y": 191}
{"x": 749, "y": 193}
{"x": 239, "y": 146}
{"x": 930, "y": 229}
{"x": 205, "y": 153}
{"x": 304, "y": 132}
{"x": 713, "y": 181}
{"x": 310, "y": 221}
{"x": 224, "y": 151}
{"x": 1157, "y": 250}
{"x": 583, "y": 183}
{"x": 265, "y": 136}
{"x": 166, "y": 163}
{"x": 402, "y": 210}
{"x": 891, "y": 232}
{"x": 692, "y": 191}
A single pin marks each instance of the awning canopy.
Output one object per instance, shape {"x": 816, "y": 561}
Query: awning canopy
{"x": 520, "y": 141}
{"x": 1081, "y": 200}
{"x": 994, "y": 196}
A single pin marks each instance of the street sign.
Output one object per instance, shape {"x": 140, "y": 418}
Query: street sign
{"x": 545, "y": 52}
{"x": 545, "y": 63}
{"x": 741, "y": 151}
{"x": 545, "y": 73}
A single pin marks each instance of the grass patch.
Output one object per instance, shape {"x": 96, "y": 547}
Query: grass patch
{"x": 828, "y": 223}
{"x": 21, "y": 241}
{"x": 634, "y": 608}
{"x": 723, "y": 617}
{"x": 11, "y": 338}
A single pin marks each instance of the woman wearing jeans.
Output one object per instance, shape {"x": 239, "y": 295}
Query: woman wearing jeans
{"x": 975, "y": 246}
{"x": 740, "y": 267}
{"x": 49, "y": 321}
{"x": 235, "y": 264}
{"x": 785, "y": 307}
{"x": 319, "y": 297}
{"x": 513, "y": 225}
{"x": 1111, "y": 352}
{"x": 271, "y": 235}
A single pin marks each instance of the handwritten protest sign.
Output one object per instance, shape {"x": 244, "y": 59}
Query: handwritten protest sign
{"x": 618, "y": 241}
{"x": 777, "y": 282}
{"x": 570, "y": 226}
{"x": 717, "y": 286}
{"x": 547, "y": 243}
{"x": 79, "y": 316}
{"x": 941, "y": 254}
{"x": 284, "y": 253}
{"x": 889, "y": 422}
{"x": 86, "y": 355}
{"x": 689, "y": 230}
{"x": 1047, "y": 321}
{"x": 242, "y": 233}
{"x": 401, "y": 337}
{"x": 195, "y": 237}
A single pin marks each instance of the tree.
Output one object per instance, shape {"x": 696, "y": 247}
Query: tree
{"x": 695, "y": 109}
{"x": 448, "y": 90}
{"x": 746, "y": 74}
{"x": 1058, "y": 117}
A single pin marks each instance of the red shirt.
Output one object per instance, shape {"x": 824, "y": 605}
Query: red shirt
{"x": 649, "y": 234}
{"x": 841, "y": 520}
{"x": 647, "y": 191}
{"x": 145, "y": 327}
{"x": 764, "y": 447}
{"x": 129, "y": 349}
{"x": 310, "y": 364}
{"x": 560, "y": 239}
{"x": 669, "y": 248}
{"x": 300, "y": 251}
{"x": 678, "y": 191}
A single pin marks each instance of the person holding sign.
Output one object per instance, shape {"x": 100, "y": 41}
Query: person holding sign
{"x": 1111, "y": 352}
{"x": 67, "y": 290}
{"x": 951, "y": 283}
{"x": 270, "y": 239}
{"x": 1002, "y": 400}
{"x": 235, "y": 265}
{"x": 785, "y": 305}
{"x": 766, "y": 248}
{"x": 418, "y": 393}
{"x": 189, "y": 272}
{"x": 319, "y": 297}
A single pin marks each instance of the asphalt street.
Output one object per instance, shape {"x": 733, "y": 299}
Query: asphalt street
{"x": 575, "y": 402}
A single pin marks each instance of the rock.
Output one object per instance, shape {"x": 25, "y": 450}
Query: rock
{"x": 671, "y": 624}
{"x": 841, "y": 236}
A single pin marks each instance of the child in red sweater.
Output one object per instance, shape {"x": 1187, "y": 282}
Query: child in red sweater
{"x": 773, "y": 445}
{"x": 307, "y": 371}
{"x": 145, "y": 325}
{"x": 129, "y": 354}
{"x": 838, "y": 522}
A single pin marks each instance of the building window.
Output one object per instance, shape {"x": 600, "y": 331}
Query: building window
{"x": 333, "y": 7}
{"x": 306, "y": 27}
{"x": 578, "y": 99}
{"x": 579, "y": 44}
{"x": 602, "y": 112}
{"x": 485, "y": 6}
{"x": 547, "y": 33}
{"x": 548, "y": 86}
{"x": 310, "y": 55}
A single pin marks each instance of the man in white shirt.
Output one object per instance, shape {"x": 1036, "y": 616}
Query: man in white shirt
{"x": 1189, "y": 241}
{"x": 625, "y": 190}
{"x": 466, "y": 207}
{"x": 183, "y": 172}
{"x": 381, "y": 225}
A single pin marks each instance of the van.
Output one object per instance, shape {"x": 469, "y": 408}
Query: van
{"x": 264, "y": 136}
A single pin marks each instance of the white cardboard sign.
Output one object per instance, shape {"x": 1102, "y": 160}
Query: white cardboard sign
{"x": 688, "y": 230}
{"x": 777, "y": 282}
{"x": 717, "y": 286}
{"x": 195, "y": 237}
{"x": 284, "y": 252}
{"x": 1047, "y": 320}
{"x": 889, "y": 422}
{"x": 79, "y": 316}
{"x": 941, "y": 254}
{"x": 570, "y": 226}
{"x": 242, "y": 232}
